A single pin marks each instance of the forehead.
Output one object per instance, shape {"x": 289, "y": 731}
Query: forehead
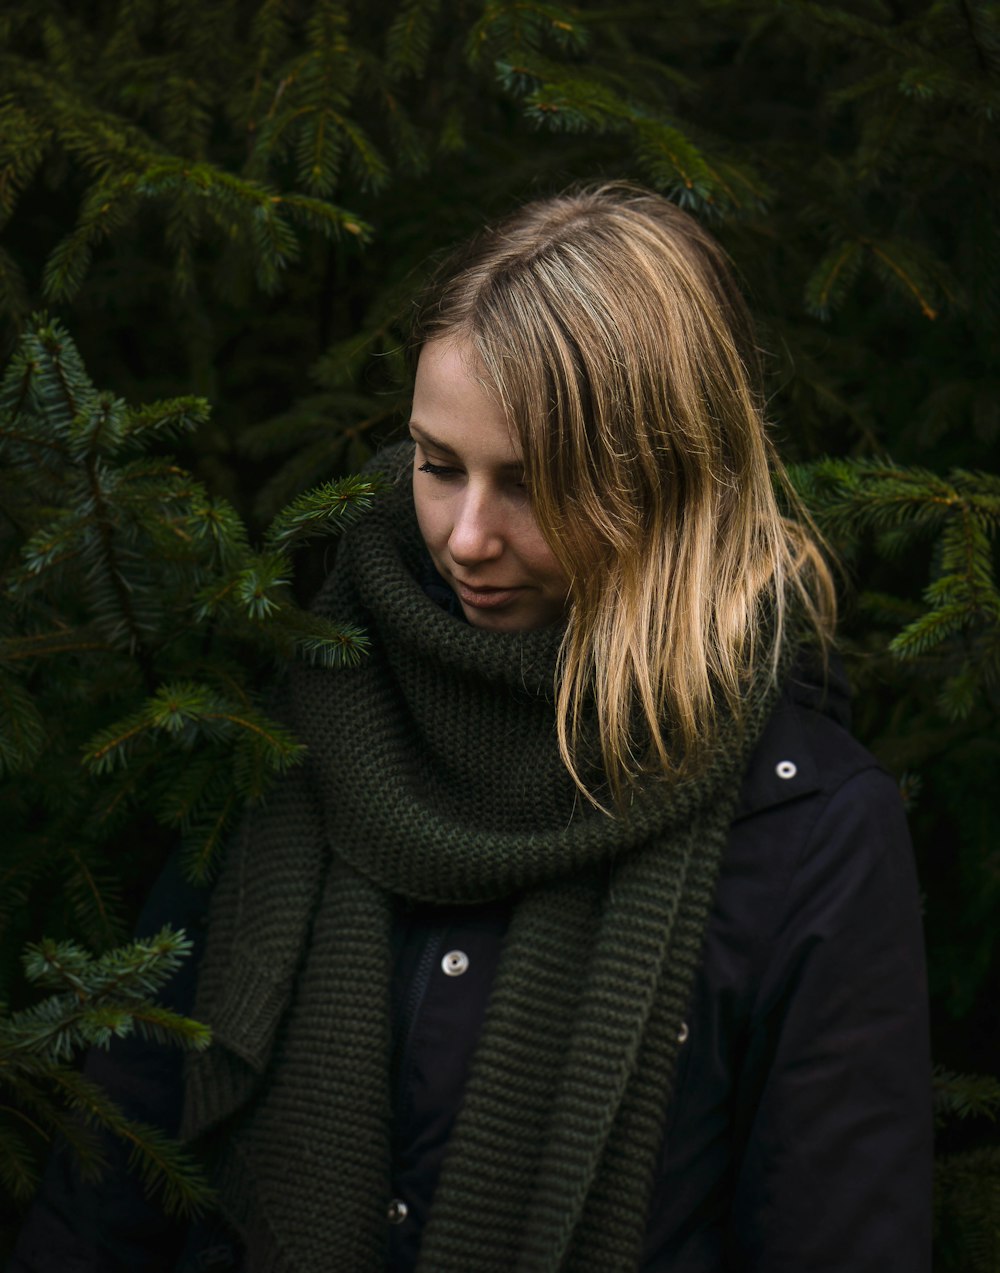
{"x": 454, "y": 408}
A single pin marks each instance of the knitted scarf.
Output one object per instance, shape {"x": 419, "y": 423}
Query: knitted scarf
{"x": 433, "y": 774}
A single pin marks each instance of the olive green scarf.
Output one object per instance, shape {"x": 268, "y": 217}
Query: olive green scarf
{"x": 433, "y": 774}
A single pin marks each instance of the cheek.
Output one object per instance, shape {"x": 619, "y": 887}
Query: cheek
{"x": 433, "y": 518}
{"x": 424, "y": 509}
{"x": 557, "y": 576}
{"x": 544, "y": 562}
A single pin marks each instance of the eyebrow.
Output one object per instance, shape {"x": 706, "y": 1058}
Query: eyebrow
{"x": 426, "y": 439}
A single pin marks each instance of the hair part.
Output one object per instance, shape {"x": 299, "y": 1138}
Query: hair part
{"x": 609, "y": 325}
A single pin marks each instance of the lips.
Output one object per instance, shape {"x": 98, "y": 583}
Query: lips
{"x": 483, "y": 598}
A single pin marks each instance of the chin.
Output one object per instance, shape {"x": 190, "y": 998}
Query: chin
{"x": 494, "y": 622}
{"x": 506, "y": 621}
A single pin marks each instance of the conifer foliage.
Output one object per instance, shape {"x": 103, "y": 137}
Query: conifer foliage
{"x": 967, "y": 1184}
{"x": 93, "y": 1000}
{"x": 956, "y": 631}
{"x": 136, "y": 620}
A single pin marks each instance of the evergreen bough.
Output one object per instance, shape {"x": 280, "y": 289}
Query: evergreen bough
{"x": 967, "y": 1182}
{"x": 137, "y": 622}
{"x": 42, "y": 1095}
{"x": 955, "y": 635}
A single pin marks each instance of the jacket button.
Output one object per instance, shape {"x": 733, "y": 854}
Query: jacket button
{"x": 786, "y": 769}
{"x": 396, "y": 1211}
{"x": 455, "y": 963}
{"x": 682, "y": 1033}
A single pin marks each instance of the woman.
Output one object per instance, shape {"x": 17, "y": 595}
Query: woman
{"x": 586, "y": 938}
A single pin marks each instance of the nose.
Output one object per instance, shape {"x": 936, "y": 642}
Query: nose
{"x": 477, "y": 531}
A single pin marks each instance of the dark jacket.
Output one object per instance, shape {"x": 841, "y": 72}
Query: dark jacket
{"x": 799, "y": 1136}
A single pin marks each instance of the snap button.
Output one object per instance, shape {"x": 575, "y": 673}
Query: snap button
{"x": 455, "y": 963}
{"x": 682, "y": 1034}
{"x": 786, "y": 769}
{"x": 396, "y": 1211}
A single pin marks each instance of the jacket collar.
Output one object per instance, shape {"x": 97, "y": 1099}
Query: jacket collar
{"x": 784, "y": 765}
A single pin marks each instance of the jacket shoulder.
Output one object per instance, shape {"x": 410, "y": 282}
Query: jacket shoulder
{"x": 806, "y": 749}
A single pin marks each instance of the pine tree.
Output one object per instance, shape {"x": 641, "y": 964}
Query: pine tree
{"x": 138, "y": 619}
{"x": 947, "y": 647}
{"x": 95, "y": 1000}
{"x": 967, "y": 1182}
{"x": 954, "y": 638}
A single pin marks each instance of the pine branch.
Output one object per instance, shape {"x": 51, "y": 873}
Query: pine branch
{"x": 20, "y": 160}
{"x": 18, "y": 1174}
{"x": 41, "y": 1112}
{"x": 13, "y": 289}
{"x": 114, "y": 572}
{"x": 58, "y": 376}
{"x": 850, "y": 27}
{"x": 95, "y": 1001}
{"x": 137, "y": 970}
{"x": 522, "y": 26}
{"x": 899, "y": 263}
{"x": 408, "y": 39}
{"x": 162, "y": 1164}
{"x": 830, "y": 282}
{"x": 318, "y": 640}
{"x": 205, "y": 835}
{"x": 22, "y": 730}
{"x": 261, "y": 585}
{"x": 322, "y": 511}
{"x": 187, "y": 711}
{"x": 966, "y": 1206}
{"x": 168, "y": 419}
{"x": 106, "y": 210}
{"x": 95, "y": 898}
{"x": 960, "y": 620}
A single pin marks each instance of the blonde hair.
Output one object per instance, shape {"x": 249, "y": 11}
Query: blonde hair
{"x": 608, "y": 324}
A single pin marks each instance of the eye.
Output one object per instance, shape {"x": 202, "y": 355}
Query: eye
{"x": 436, "y": 470}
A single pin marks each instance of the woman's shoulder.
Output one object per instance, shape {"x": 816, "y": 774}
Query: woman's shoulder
{"x": 818, "y": 870}
{"x": 807, "y": 750}
{"x": 820, "y": 833}
{"x": 818, "y": 817}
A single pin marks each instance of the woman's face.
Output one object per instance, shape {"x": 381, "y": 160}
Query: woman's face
{"x": 472, "y": 506}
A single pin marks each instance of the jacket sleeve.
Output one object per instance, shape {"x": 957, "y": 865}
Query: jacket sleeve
{"x": 835, "y": 1102}
{"x": 111, "y": 1226}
